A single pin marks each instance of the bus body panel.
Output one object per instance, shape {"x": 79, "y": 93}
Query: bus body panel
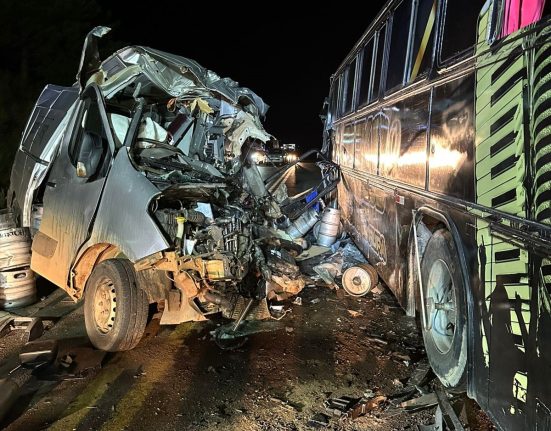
{"x": 471, "y": 141}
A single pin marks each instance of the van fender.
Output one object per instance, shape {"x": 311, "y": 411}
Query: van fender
{"x": 81, "y": 270}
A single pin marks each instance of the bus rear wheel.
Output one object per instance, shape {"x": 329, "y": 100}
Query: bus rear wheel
{"x": 445, "y": 322}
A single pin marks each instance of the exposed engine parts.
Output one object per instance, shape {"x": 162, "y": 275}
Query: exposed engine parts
{"x": 226, "y": 228}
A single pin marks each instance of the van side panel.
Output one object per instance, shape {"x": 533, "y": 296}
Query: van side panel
{"x": 51, "y": 108}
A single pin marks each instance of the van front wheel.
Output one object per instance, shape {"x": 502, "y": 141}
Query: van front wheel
{"x": 115, "y": 307}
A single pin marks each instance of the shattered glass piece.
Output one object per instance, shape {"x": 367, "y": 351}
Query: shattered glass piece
{"x": 331, "y": 267}
{"x": 206, "y": 209}
{"x": 314, "y": 251}
{"x": 352, "y": 256}
{"x": 319, "y": 420}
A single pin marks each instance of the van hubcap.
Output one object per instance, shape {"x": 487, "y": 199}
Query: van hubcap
{"x": 105, "y": 305}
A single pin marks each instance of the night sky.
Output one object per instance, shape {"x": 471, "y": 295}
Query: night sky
{"x": 284, "y": 56}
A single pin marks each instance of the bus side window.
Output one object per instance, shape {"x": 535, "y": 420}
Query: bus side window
{"x": 460, "y": 27}
{"x": 340, "y": 96}
{"x": 365, "y": 77}
{"x": 398, "y": 45}
{"x": 423, "y": 37}
{"x": 332, "y": 108}
{"x": 378, "y": 64}
{"x": 350, "y": 74}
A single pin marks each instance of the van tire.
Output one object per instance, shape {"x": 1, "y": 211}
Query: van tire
{"x": 115, "y": 307}
{"x": 446, "y": 338}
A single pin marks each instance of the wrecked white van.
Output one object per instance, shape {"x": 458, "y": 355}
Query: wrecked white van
{"x": 138, "y": 188}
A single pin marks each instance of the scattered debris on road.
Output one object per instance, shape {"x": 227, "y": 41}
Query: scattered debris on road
{"x": 354, "y": 313}
{"x": 319, "y": 420}
{"x": 422, "y": 402}
{"x": 330, "y": 268}
{"x": 35, "y": 354}
{"x": 340, "y": 406}
{"x": 286, "y": 376}
{"x": 33, "y": 327}
{"x": 359, "y": 280}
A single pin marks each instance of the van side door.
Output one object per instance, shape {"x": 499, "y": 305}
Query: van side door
{"x": 73, "y": 189}
{"x": 41, "y": 135}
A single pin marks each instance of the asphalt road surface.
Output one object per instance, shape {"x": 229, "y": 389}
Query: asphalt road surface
{"x": 177, "y": 378}
{"x": 297, "y": 179}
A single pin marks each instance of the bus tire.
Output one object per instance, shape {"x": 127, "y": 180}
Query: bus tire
{"x": 445, "y": 336}
{"x": 115, "y": 307}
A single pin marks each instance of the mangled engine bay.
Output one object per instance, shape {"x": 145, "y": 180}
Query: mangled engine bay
{"x": 229, "y": 250}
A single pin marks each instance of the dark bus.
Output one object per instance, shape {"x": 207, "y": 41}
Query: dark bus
{"x": 440, "y": 118}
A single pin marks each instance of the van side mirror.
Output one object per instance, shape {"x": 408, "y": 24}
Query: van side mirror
{"x": 91, "y": 149}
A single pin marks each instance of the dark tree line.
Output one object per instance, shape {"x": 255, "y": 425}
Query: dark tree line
{"x": 40, "y": 43}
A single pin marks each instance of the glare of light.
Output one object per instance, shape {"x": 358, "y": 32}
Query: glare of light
{"x": 411, "y": 158}
{"x": 445, "y": 157}
{"x": 441, "y": 158}
{"x": 257, "y": 157}
{"x": 291, "y": 157}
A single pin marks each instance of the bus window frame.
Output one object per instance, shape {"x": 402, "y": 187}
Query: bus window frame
{"x": 424, "y": 75}
{"x": 354, "y": 101}
{"x": 360, "y": 57}
{"x": 496, "y": 22}
{"x": 333, "y": 101}
{"x": 388, "y": 47}
{"x": 345, "y": 79}
{"x": 460, "y": 56}
{"x": 339, "y": 111}
{"x": 383, "y": 28}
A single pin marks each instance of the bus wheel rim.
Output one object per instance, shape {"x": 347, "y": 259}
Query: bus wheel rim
{"x": 442, "y": 306}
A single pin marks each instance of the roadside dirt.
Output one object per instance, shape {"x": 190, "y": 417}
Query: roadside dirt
{"x": 332, "y": 345}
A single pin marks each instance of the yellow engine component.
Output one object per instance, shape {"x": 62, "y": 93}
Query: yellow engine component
{"x": 218, "y": 269}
